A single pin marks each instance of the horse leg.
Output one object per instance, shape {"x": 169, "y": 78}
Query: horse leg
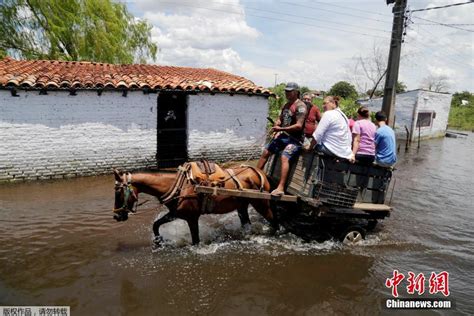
{"x": 193, "y": 224}
{"x": 264, "y": 209}
{"x": 243, "y": 212}
{"x": 170, "y": 216}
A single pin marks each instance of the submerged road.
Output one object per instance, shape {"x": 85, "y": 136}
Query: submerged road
{"x": 60, "y": 246}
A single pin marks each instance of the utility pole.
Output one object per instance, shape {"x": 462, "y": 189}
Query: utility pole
{"x": 276, "y": 75}
{"x": 388, "y": 103}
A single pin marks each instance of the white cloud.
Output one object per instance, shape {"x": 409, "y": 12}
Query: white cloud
{"x": 440, "y": 71}
{"x": 201, "y": 34}
{"x": 200, "y": 31}
{"x": 217, "y": 33}
{"x": 222, "y": 59}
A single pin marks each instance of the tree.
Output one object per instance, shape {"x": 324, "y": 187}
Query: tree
{"x": 277, "y": 102}
{"x": 437, "y": 83}
{"x": 93, "y": 30}
{"x": 369, "y": 71}
{"x": 344, "y": 90}
{"x": 401, "y": 87}
{"x": 304, "y": 89}
{"x": 458, "y": 97}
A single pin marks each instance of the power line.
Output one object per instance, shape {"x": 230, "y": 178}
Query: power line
{"x": 276, "y": 19}
{"x": 451, "y": 24}
{"x": 446, "y": 49}
{"x": 332, "y": 11}
{"x": 430, "y": 34}
{"x": 446, "y": 57}
{"x": 443, "y": 24}
{"x": 352, "y": 9}
{"x": 312, "y": 18}
{"x": 443, "y": 6}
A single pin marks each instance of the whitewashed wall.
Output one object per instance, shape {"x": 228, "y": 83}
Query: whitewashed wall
{"x": 58, "y": 135}
{"x": 440, "y": 103}
{"x": 224, "y": 127}
{"x": 407, "y": 106}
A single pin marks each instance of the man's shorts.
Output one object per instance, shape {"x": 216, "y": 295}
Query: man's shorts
{"x": 288, "y": 146}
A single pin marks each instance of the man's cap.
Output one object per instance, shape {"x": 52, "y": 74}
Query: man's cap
{"x": 290, "y": 86}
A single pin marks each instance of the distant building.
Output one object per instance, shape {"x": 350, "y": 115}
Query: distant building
{"x": 418, "y": 111}
{"x": 64, "y": 119}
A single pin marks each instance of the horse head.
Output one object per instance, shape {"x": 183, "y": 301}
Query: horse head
{"x": 126, "y": 196}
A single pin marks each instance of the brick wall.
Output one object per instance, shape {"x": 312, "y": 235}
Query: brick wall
{"x": 223, "y": 127}
{"x": 58, "y": 135}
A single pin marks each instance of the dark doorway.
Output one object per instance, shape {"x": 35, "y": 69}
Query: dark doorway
{"x": 172, "y": 148}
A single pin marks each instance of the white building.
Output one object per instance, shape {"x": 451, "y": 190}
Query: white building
{"x": 418, "y": 112}
{"x": 65, "y": 119}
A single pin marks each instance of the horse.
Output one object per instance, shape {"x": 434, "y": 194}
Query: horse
{"x": 188, "y": 205}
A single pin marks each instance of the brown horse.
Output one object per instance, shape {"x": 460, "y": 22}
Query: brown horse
{"x": 188, "y": 205}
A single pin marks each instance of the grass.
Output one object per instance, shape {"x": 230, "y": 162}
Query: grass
{"x": 461, "y": 117}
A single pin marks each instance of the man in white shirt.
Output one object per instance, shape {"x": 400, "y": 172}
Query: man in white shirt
{"x": 333, "y": 136}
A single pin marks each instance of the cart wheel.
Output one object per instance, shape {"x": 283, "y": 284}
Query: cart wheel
{"x": 371, "y": 224}
{"x": 353, "y": 235}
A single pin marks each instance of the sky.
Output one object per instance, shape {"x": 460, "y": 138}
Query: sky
{"x": 313, "y": 43}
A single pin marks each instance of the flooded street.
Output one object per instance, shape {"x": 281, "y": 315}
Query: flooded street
{"x": 60, "y": 246}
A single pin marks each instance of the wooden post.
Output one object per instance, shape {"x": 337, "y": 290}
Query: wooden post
{"x": 388, "y": 103}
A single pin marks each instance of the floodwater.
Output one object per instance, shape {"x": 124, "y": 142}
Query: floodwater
{"x": 60, "y": 246}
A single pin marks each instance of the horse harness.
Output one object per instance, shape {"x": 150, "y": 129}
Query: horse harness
{"x": 128, "y": 189}
{"x": 207, "y": 174}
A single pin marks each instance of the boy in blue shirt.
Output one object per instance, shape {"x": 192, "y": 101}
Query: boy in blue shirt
{"x": 385, "y": 144}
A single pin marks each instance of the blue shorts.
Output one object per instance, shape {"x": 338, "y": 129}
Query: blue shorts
{"x": 290, "y": 147}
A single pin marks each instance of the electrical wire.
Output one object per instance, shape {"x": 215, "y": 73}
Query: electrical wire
{"x": 455, "y": 24}
{"x": 312, "y": 18}
{"x": 443, "y": 6}
{"x": 332, "y": 11}
{"x": 436, "y": 54}
{"x": 277, "y": 19}
{"x": 444, "y": 24}
{"x": 351, "y": 8}
{"x": 447, "y": 49}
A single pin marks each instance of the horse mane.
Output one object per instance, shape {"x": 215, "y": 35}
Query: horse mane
{"x": 154, "y": 184}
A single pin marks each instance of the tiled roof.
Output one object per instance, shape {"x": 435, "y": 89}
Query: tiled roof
{"x": 53, "y": 74}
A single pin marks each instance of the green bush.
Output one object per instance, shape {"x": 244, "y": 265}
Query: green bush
{"x": 461, "y": 117}
{"x": 344, "y": 90}
{"x": 459, "y": 96}
{"x": 277, "y": 102}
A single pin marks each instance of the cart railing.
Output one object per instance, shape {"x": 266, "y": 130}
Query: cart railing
{"x": 337, "y": 179}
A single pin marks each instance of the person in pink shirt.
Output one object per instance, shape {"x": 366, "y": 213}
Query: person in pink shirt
{"x": 363, "y": 135}
{"x": 351, "y": 123}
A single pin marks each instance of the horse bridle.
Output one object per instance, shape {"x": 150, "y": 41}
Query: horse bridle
{"x": 128, "y": 189}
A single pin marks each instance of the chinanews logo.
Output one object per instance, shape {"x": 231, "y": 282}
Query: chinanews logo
{"x": 434, "y": 288}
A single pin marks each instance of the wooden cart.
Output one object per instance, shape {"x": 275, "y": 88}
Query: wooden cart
{"x": 327, "y": 197}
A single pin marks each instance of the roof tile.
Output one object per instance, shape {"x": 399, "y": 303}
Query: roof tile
{"x": 54, "y": 74}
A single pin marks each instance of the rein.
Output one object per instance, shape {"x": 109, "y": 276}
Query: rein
{"x": 174, "y": 192}
{"x": 129, "y": 189}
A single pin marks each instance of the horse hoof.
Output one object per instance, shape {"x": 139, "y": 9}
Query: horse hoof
{"x": 158, "y": 241}
{"x": 247, "y": 229}
{"x": 273, "y": 230}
